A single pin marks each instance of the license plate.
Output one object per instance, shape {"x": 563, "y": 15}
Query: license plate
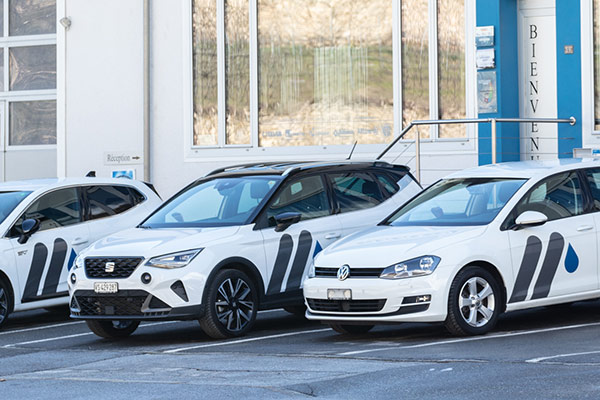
{"x": 106, "y": 287}
{"x": 339, "y": 294}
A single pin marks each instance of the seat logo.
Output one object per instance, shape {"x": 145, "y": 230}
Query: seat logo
{"x": 344, "y": 272}
{"x": 109, "y": 267}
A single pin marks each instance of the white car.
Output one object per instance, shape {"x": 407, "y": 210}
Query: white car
{"x": 44, "y": 225}
{"x": 480, "y": 242}
{"x": 234, "y": 242}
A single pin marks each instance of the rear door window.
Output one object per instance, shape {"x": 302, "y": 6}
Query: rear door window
{"x": 108, "y": 200}
{"x": 355, "y": 191}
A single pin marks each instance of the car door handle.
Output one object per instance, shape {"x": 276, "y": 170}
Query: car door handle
{"x": 78, "y": 241}
{"x": 584, "y": 228}
{"x": 333, "y": 235}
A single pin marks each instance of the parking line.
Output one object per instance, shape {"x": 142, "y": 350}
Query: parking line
{"x": 254, "y": 339}
{"x": 471, "y": 339}
{"x": 73, "y": 336}
{"x": 40, "y": 327}
{"x": 539, "y": 359}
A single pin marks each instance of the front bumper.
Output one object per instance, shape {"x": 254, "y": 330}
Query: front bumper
{"x": 377, "y": 300}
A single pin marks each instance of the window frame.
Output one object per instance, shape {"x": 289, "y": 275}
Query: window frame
{"x": 591, "y": 136}
{"x": 229, "y": 152}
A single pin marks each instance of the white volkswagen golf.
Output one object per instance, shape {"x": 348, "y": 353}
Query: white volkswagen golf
{"x": 480, "y": 242}
{"x": 46, "y": 223}
{"x": 232, "y": 243}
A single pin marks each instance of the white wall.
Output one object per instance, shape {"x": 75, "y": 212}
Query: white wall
{"x": 104, "y": 99}
{"x": 103, "y": 84}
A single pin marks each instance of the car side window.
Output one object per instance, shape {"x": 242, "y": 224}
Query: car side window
{"x": 593, "y": 178}
{"x": 388, "y": 184}
{"x": 105, "y": 201}
{"x": 355, "y": 191}
{"x": 557, "y": 197}
{"x": 306, "y": 196}
{"x": 54, "y": 210}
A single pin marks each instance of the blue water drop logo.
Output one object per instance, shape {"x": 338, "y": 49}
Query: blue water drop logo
{"x": 571, "y": 260}
{"x": 318, "y": 249}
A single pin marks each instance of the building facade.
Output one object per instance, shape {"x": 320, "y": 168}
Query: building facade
{"x": 168, "y": 90}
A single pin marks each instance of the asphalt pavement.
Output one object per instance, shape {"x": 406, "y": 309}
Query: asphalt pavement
{"x": 544, "y": 353}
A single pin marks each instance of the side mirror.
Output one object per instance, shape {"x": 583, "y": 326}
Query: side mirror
{"x": 28, "y": 227}
{"x": 284, "y": 220}
{"x": 530, "y": 218}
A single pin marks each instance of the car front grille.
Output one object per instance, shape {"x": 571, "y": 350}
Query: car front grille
{"x": 346, "y": 305}
{"x": 126, "y": 303}
{"x": 326, "y": 272}
{"x": 95, "y": 267}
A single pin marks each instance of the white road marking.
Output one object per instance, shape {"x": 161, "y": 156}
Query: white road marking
{"x": 471, "y": 339}
{"x": 254, "y": 339}
{"x": 73, "y": 336}
{"x": 445, "y": 369}
{"x": 538, "y": 359}
{"x": 40, "y": 327}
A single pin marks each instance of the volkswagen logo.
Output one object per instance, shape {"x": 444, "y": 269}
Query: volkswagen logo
{"x": 344, "y": 272}
{"x": 109, "y": 267}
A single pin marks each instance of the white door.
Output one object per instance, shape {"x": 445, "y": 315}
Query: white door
{"x": 560, "y": 256}
{"x": 44, "y": 260}
{"x": 537, "y": 78}
{"x": 289, "y": 252}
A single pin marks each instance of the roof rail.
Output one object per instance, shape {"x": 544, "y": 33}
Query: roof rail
{"x": 234, "y": 167}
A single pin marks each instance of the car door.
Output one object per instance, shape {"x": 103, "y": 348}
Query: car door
{"x": 360, "y": 200}
{"x": 559, "y": 257}
{"x": 44, "y": 259}
{"x": 289, "y": 252}
{"x": 592, "y": 176}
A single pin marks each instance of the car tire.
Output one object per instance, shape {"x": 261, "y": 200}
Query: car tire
{"x": 231, "y": 305}
{"x": 298, "y": 311}
{"x": 351, "y": 329}
{"x": 5, "y": 302}
{"x": 112, "y": 329}
{"x": 474, "y": 302}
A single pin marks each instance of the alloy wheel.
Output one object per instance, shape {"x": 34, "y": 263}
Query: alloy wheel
{"x": 234, "y": 306}
{"x": 3, "y": 305}
{"x": 477, "y": 302}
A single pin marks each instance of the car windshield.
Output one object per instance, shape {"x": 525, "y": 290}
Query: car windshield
{"x": 8, "y": 202}
{"x": 458, "y": 202}
{"x": 217, "y": 202}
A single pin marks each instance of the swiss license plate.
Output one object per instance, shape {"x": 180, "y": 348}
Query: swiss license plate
{"x": 339, "y": 294}
{"x": 106, "y": 287}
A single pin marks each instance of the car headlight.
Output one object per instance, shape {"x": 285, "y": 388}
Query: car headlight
{"x": 407, "y": 269}
{"x": 79, "y": 262}
{"x": 311, "y": 270}
{"x": 173, "y": 260}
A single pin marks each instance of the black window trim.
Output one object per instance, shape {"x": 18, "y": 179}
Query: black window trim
{"x": 583, "y": 184}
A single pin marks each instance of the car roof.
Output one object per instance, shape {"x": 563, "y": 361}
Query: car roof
{"x": 526, "y": 169}
{"x": 287, "y": 167}
{"x": 37, "y": 184}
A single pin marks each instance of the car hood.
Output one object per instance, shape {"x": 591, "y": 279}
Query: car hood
{"x": 152, "y": 242}
{"x": 381, "y": 246}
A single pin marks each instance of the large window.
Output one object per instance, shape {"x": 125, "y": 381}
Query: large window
{"x": 273, "y": 73}
{"x": 596, "y": 65}
{"x": 28, "y": 70}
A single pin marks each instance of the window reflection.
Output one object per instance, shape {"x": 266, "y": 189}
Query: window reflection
{"x": 325, "y": 72}
{"x": 237, "y": 61}
{"x": 415, "y": 64}
{"x": 205, "y": 72}
{"x": 33, "y": 68}
{"x": 451, "y": 66}
{"x": 597, "y": 64}
{"x": 32, "y": 17}
{"x": 32, "y": 122}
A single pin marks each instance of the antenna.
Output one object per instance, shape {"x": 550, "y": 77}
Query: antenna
{"x": 352, "y": 151}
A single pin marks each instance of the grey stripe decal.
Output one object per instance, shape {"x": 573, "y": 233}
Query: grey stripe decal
{"x": 299, "y": 265}
{"x": 549, "y": 267}
{"x": 57, "y": 262}
{"x": 531, "y": 257}
{"x": 281, "y": 263}
{"x": 38, "y": 262}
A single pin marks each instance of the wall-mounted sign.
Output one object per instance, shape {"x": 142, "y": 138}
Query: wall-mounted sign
{"x": 486, "y": 58}
{"x": 126, "y": 173}
{"x": 487, "y": 99}
{"x": 484, "y": 36}
{"x": 122, "y": 157}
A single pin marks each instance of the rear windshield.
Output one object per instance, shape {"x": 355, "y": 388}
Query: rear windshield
{"x": 218, "y": 202}
{"x": 9, "y": 201}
